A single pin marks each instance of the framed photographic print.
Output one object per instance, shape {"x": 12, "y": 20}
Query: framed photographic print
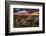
{"x": 24, "y": 17}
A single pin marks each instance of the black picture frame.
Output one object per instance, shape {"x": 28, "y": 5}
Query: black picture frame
{"x": 7, "y": 3}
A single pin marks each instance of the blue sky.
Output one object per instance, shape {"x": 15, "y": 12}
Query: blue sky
{"x": 21, "y": 9}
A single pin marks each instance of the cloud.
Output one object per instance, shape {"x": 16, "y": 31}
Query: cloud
{"x": 24, "y": 11}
